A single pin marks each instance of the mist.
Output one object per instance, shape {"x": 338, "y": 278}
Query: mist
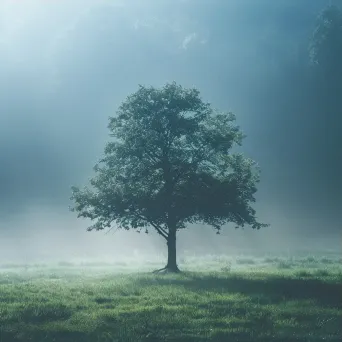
{"x": 65, "y": 68}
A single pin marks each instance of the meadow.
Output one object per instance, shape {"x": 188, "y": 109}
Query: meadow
{"x": 215, "y": 298}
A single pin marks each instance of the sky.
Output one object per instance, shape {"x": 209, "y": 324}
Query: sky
{"x": 65, "y": 66}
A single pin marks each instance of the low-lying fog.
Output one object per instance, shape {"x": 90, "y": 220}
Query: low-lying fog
{"x": 48, "y": 236}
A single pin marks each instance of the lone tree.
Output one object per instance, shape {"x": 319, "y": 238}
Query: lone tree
{"x": 169, "y": 165}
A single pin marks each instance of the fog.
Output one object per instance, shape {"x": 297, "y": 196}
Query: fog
{"x": 65, "y": 66}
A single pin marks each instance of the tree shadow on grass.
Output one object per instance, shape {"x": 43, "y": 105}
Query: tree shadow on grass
{"x": 269, "y": 290}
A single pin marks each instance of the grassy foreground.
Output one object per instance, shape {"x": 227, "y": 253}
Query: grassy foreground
{"x": 269, "y": 299}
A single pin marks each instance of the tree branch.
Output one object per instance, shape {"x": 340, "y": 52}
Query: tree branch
{"x": 159, "y": 229}
{"x": 153, "y": 156}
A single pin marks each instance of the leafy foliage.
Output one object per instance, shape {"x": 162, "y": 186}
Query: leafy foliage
{"x": 326, "y": 43}
{"x": 325, "y": 98}
{"x": 168, "y": 165}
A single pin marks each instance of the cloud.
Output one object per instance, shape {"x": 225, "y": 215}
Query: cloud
{"x": 188, "y": 39}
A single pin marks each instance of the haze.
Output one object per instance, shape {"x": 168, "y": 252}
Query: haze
{"x": 66, "y": 66}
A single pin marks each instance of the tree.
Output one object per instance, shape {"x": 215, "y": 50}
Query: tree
{"x": 167, "y": 166}
{"x": 326, "y": 44}
{"x": 325, "y": 101}
{"x": 326, "y": 61}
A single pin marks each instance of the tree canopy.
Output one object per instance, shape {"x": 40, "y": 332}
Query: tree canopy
{"x": 326, "y": 42}
{"x": 169, "y": 164}
{"x": 325, "y": 95}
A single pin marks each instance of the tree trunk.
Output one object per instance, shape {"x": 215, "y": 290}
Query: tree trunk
{"x": 171, "y": 252}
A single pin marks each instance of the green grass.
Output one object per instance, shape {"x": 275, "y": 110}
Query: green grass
{"x": 252, "y": 300}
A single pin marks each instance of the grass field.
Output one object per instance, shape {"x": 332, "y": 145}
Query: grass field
{"x": 216, "y": 298}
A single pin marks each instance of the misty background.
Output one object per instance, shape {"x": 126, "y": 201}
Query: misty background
{"x": 65, "y": 66}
